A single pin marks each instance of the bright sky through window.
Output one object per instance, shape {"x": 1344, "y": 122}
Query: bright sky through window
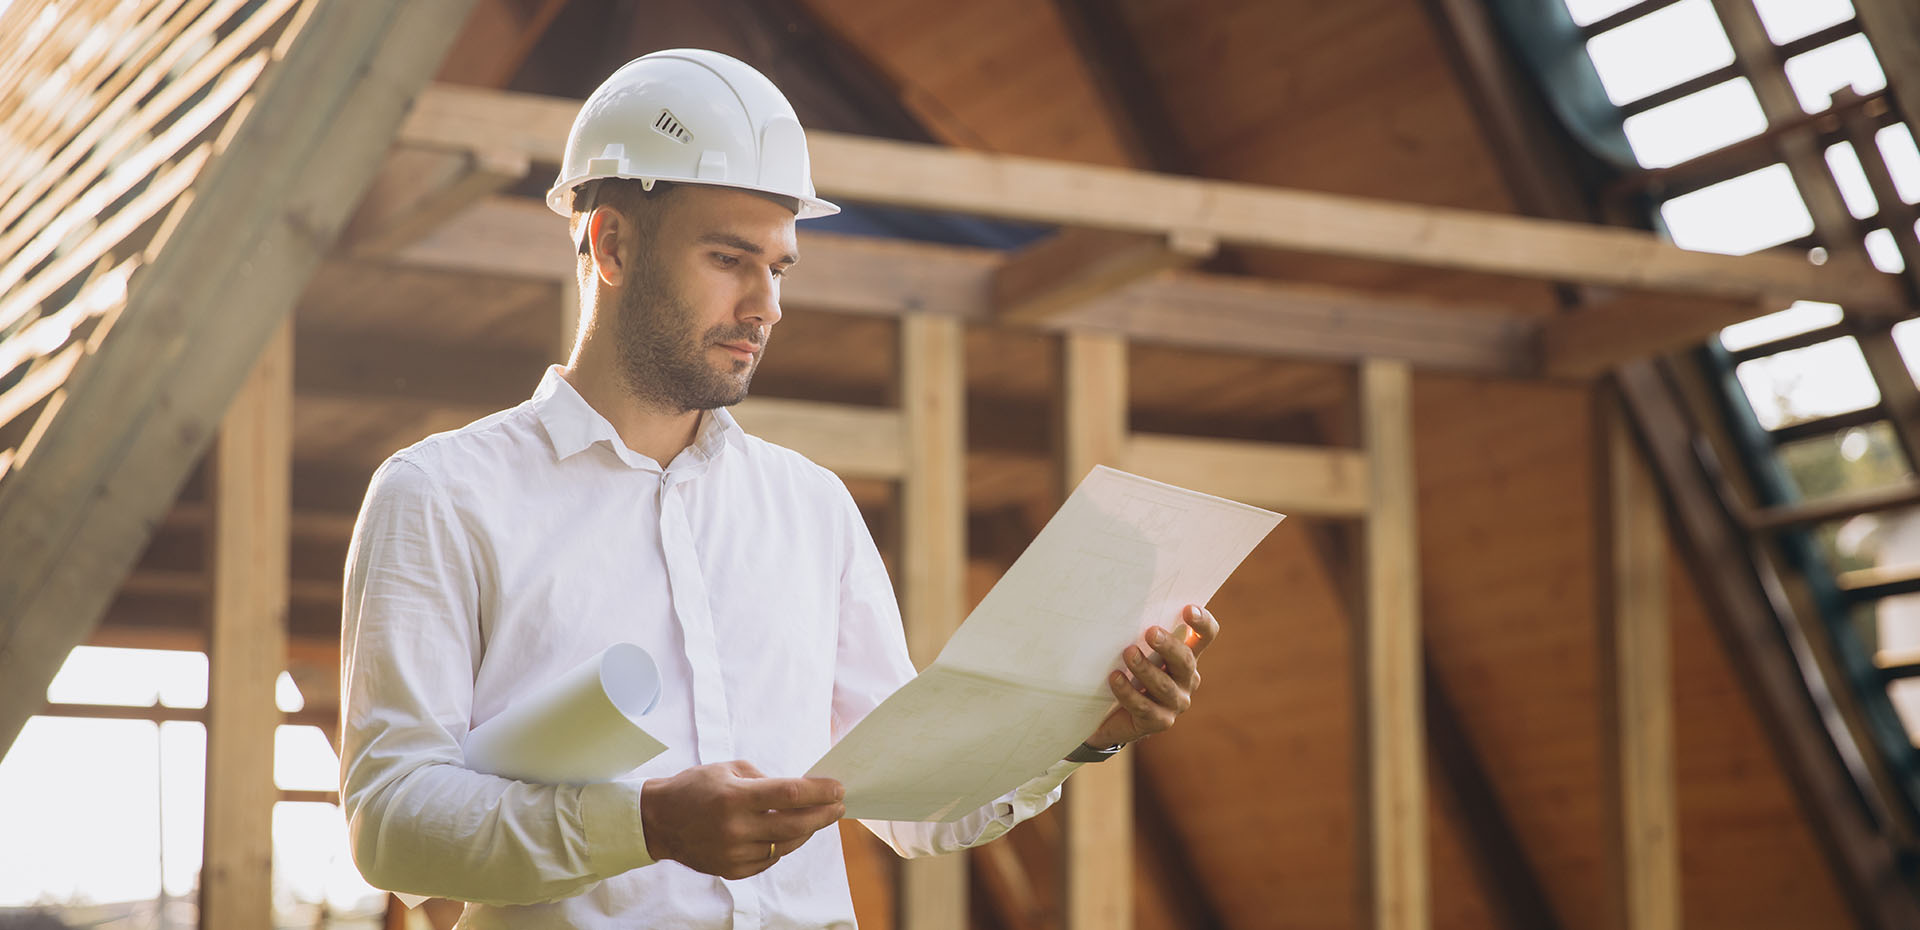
{"x": 1695, "y": 124}
{"x": 1816, "y": 75}
{"x": 1659, "y": 50}
{"x": 1739, "y": 215}
{"x": 1787, "y": 20}
{"x": 1903, "y": 160}
{"x": 1844, "y": 162}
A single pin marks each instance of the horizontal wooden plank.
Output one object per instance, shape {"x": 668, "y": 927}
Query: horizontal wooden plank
{"x": 1075, "y": 266}
{"x": 1838, "y": 507}
{"x": 1592, "y": 340}
{"x": 855, "y": 274}
{"x": 1037, "y": 190}
{"x": 854, "y": 442}
{"x": 1317, "y": 480}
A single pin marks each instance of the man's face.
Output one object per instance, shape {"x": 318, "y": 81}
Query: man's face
{"x": 695, "y": 317}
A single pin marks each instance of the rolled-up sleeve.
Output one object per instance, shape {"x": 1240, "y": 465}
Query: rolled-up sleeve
{"x": 420, "y": 821}
{"x": 872, "y": 664}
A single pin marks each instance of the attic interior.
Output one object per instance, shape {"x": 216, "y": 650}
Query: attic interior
{"x": 1577, "y": 619}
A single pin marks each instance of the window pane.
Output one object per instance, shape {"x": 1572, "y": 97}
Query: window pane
{"x": 1903, "y": 160}
{"x": 312, "y": 866}
{"x": 131, "y": 677}
{"x": 1659, "y": 50}
{"x": 1803, "y": 316}
{"x": 81, "y": 813}
{"x": 1587, "y": 11}
{"x": 1848, "y": 62}
{"x": 1695, "y": 124}
{"x": 1787, "y": 20}
{"x": 1906, "y": 337}
{"x": 1740, "y": 215}
{"x": 1885, "y": 252}
{"x": 1857, "y": 459}
{"x": 1806, "y": 384}
{"x": 1844, "y": 162}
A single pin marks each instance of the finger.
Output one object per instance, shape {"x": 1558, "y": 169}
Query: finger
{"x": 1205, "y": 628}
{"x": 1175, "y": 657}
{"x": 784, "y": 793}
{"x": 795, "y": 824}
{"x": 1148, "y": 717}
{"x": 744, "y": 769}
{"x": 1159, "y": 685}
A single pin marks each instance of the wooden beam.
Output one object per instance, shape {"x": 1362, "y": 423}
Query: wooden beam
{"x": 1392, "y": 768}
{"x": 74, "y": 516}
{"x": 496, "y": 39}
{"x": 1097, "y": 847}
{"x": 1307, "y": 480}
{"x": 933, "y": 891}
{"x": 855, "y": 274}
{"x": 1811, "y": 739}
{"x": 1893, "y": 26}
{"x": 1064, "y": 271}
{"x": 1313, "y": 223}
{"x": 417, "y": 192}
{"x": 1636, "y": 684}
{"x": 1591, "y": 340}
{"x": 252, "y": 465}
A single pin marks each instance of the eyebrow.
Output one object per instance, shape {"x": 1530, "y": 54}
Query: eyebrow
{"x": 745, "y": 245}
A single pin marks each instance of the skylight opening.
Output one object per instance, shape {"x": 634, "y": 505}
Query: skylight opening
{"x": 1659, "y": 50}
{"x": 1804, "y": 316}
{"x": 1844, "y": 162}
{"x": 1903, "y": 159}
{"x": 131, "y": 677}
{"x": 1739, "y": 215}
{"x": 1818, "y": 74}
{"x": 1885, "y": 252}
{"x": 1787, "y": 20}
{"x": 1593, "y": 11}
{"x": 1804, "y": 384}
{"x": 1695, "y": 124}
{"x": 1906, "y": 337}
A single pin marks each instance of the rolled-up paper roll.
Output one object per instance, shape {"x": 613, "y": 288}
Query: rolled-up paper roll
{"x": 581, "y": 727}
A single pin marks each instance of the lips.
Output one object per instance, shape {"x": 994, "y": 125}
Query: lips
{"x": 743, "y": 349}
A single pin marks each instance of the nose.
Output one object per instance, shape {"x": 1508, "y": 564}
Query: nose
{"x": 761, "y": 305}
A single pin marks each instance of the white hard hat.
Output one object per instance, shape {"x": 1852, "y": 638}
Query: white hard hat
{"x": 692, "y": 117}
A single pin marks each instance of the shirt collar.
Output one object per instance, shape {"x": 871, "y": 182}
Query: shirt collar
{"x": 573, "y": 426}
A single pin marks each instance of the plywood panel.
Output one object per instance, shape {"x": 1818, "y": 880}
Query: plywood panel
{"x": 1747, "y": 857}
{"x": 1262, "y": 765}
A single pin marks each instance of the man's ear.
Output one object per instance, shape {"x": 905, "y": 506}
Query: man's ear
{"x": 607, "y": 236}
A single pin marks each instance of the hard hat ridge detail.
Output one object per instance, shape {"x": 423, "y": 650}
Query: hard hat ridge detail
{"x": 690, "y": 116}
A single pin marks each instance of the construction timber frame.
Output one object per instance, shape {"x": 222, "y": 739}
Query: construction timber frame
{"x": 120, "y": 420}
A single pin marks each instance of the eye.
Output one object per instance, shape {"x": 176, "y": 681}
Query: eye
{"x": 725, "y": 260}
{"x": 779, "y": 271}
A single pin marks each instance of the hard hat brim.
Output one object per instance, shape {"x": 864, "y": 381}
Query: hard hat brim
{"x": 560, "y": 199}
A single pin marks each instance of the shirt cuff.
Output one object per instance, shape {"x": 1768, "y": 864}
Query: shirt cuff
{"x": 610, "y": 820}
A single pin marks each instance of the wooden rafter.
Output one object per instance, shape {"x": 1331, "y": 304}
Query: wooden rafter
{"x": 918, "y": 176}
{"x": 134, "y": 419}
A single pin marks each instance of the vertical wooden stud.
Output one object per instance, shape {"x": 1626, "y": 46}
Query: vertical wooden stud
{"x": 1391, "y": 769}
{"x": 933, "y": 891}
{"x": 252, "y": 465}
{"x": 1098, "y": 842}
{"x": 1636, "y": 686}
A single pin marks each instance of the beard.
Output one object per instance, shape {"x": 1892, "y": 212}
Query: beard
{"x": 665, "y": 362}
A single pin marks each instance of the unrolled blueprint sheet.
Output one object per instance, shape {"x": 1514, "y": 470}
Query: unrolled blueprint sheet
{"x": 1024, "y": 680}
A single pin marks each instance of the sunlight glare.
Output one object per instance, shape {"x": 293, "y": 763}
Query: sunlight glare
{"x": 1903, "y": 159}
{"x": 1787, "y": 20}
{"x": 1844, "y": 162}
{"x": 1803, "y": 316}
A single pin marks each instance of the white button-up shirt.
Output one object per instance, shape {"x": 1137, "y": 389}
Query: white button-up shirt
{"x": 490, "y": 560}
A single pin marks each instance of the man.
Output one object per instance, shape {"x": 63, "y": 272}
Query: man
{"x": 622, "y": 503}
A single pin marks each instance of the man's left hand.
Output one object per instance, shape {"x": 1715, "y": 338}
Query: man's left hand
{"x": 1156, "y": 687}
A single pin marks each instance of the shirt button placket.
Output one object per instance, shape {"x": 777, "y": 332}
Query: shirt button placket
{"x": 713, "y": 733}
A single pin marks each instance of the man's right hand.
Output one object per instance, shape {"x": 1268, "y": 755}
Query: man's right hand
{"x": 729, "y": 820}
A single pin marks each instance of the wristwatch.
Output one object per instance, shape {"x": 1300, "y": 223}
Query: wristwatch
{"x": 1086, "y": 753}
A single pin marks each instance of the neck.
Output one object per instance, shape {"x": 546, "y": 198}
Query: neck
{"x": 646, "y": 428}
